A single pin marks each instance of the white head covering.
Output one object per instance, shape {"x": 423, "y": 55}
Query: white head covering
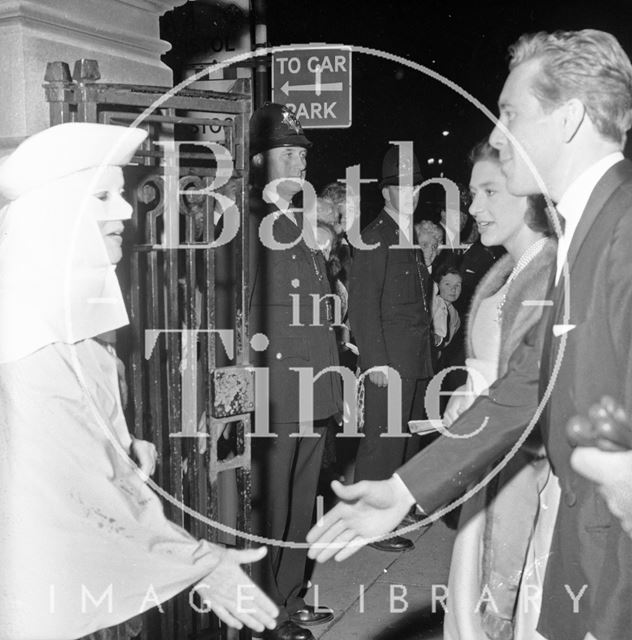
{"x": 56, "y": 281}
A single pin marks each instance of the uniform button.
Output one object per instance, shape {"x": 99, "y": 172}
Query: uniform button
{"x": 293, "y": 256}
{"x": 278, "y": 356}
{"x": 570, "y": 497}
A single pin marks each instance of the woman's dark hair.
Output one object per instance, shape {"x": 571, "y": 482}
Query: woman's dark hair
{"x": 536, "y": 216}
{"x": 483, "y": 151}
{"x": 444, "y": 270}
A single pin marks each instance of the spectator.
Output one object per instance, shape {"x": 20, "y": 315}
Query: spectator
{"x": 445, "y": 318}
{"x": 390, "y": 312}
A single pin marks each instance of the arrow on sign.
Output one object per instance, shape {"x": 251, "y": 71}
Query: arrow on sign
{"x": 317, "y": 87}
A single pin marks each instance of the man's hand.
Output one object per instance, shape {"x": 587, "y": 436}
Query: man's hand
{"x": 378, "y": 378}
{"x": 366, "y": 510}
{"x": 232, "y": 595}
{"x": 607, "y": 427}
{"x": 144, "y": 454}
{"x": 612, "y": 471}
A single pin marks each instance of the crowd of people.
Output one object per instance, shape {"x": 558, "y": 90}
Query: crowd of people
{"x": 534, "y": 442}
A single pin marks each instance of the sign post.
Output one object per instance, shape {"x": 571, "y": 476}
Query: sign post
{"x": 316, "y": 84}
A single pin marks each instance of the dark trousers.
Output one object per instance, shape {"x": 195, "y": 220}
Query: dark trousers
{"x": 378, "y": 457}
{"x": 285, "y": 486}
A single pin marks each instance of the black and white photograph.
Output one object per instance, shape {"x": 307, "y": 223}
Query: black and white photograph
{"x": 315, "y": 320}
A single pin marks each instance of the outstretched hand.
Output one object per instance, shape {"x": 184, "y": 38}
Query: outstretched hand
{"x": 232, "y": 595}
{"x": 366, "y": 510}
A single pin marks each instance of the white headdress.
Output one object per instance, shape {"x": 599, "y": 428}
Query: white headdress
{"x": 56, "y": 281}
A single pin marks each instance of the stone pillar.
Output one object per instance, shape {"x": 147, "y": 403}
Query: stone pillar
{"x": 123, "y": 35}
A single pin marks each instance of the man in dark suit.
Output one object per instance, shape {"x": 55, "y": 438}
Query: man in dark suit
{"x": 565, "y": 109}
{"x": 390, "y": 314}
{"x": 286, "y": 276}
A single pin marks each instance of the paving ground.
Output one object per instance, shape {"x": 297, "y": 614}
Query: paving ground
{"x": 386, "y": 596}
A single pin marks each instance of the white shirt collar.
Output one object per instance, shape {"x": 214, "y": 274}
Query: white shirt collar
{"x": 575, "y": 198}
{"x": 574, "y": 201}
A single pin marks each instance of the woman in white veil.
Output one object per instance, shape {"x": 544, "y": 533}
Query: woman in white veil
{"x": 84, "y": 542}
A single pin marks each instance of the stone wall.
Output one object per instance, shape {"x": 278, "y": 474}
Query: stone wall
{"x": 123, "y": 35}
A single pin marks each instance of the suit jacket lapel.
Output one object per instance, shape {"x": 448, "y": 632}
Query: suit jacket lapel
{"x": 598, "y": 198}
{"x": 546, "y": 322}
{"x": 554, "y": 314}
{"x": 420, "y": 264}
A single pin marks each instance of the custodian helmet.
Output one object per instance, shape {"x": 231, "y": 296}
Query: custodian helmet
{"x": 395, "y": 167}
{"x": 274, "y": 125}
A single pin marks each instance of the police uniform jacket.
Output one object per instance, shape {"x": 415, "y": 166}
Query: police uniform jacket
{"x": 285, "y": 284}
{"x": 390, "y": 302}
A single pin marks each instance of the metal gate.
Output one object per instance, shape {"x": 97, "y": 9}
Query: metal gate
{"x": 180, "y": 291}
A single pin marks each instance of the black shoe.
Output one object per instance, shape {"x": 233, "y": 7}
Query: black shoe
{"x": 288, "y": 630}
{"x": 412, "y": 517}
{"x": 308, "y": 616}
{"x": 451, "y": 519}
{"x": 394, "y": 544}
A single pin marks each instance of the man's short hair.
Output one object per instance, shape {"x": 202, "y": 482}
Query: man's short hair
{"x": 483, "y": 151}
{"x": 589, "y": 65}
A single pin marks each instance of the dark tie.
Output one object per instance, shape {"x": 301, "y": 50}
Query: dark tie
{"x": 561, "y": 219}
{"x": 448, "y": 335}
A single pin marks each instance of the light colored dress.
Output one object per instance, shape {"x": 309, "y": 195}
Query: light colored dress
{"x": 466, "y": 591}
{"x": 84, "y": 542}
{"x": 530, "y": 594}
{"x": 462, "y": 619}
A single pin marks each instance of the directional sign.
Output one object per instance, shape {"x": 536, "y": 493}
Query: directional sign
{"x": 315, "y": 83}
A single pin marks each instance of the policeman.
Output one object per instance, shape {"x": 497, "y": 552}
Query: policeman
{"x": 390, "y": 316}
{"x": 283, "y": 283}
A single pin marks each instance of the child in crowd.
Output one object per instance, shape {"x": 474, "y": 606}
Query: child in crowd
{"x": 445, "y": 317}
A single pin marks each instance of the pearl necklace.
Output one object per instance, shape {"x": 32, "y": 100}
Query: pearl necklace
{"x": 528, "y": 255}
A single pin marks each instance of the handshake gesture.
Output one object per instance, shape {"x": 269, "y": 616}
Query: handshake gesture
{"x": 232, "y": 595}
{"x": 367, "y": 511}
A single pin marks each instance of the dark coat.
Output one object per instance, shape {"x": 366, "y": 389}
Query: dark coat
{"x": 389, "y": 321}
{"x": 280, "y": 278}
{"x": 589, "y": 546}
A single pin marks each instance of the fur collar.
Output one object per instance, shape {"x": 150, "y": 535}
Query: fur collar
{"x": 530, "y": 284}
